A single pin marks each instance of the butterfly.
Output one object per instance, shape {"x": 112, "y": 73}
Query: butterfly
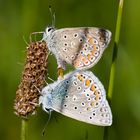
{"x": 79, "y": 95}
{"x": 81, "y": 47}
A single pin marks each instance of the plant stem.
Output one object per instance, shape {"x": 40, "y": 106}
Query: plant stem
{"x": 24, "y": 129}
{"x": 114, "y": 58}
{"x": 115, "y": 49}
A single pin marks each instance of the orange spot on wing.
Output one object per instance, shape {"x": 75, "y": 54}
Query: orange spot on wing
{"x": 88, "y": 36}
{"x": 85, "y": 60}
{"x": 92, "y": 87}
{"x": 97, "y": 93}
{"x": 97, "y": 97}
{"x": 93, "y": 52}
{"x": 80, "y": 77}
{"x": 91, "y": 40}
{"x": 89, "y": 57}
{"x": 88, "y": 82}
{"x": 92, "y": 103}
{"x": 77, "y": 75}
{"x": 88, "y": 108}
{"x": 77, "y": 62}
{"x": 94, "y": 47}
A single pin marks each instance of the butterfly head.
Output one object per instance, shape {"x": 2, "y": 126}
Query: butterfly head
{"x": 48, "y": 32}
{"x": 46, "y": 97}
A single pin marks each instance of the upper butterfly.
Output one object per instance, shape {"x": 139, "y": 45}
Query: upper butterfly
{"x": 81, "y": 47}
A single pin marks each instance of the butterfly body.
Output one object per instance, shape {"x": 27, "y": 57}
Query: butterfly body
{"x": 79, "y": 95}
{"x": 81, "y": 47}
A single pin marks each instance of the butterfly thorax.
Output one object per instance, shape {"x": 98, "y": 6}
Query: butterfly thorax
{"x": 48, "y": 36}
{"x": 47, "y": 102}
{"x": 46, "y": 98}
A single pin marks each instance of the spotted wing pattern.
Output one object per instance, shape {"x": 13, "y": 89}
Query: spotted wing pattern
{"x": 82, "y": 96}
{"x": 81, "y": 47}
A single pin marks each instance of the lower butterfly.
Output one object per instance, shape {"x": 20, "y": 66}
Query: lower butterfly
{"x": 79, "y": 95}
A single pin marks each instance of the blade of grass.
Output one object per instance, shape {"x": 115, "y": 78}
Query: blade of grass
{"x": 115, "y": 49}
{"x": 24, "y": 129}
{"x": 114, "y": 58}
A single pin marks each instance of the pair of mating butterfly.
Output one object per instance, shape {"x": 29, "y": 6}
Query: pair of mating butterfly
{"x": 79, "y": 94}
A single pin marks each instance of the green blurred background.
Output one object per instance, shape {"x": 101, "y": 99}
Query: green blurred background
{"x": 19, "y": 18}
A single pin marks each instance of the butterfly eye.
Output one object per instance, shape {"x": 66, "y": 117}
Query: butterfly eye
{"x": 47, "y": 109}
{"x": 49, "y": 29}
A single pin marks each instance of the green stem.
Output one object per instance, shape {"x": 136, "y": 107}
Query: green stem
{"x": 114, "y": 58}
{"x": 115, "y": 49}
{"x": 24, "y": 129}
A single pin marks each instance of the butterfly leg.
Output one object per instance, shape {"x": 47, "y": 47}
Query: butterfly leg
{"x": 61, "y": 67}
{"x": 60, "y": 72}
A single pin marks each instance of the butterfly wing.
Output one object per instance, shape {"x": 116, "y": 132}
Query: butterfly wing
{"x": 81, "y": 47}
{"x": 82, "y": 96}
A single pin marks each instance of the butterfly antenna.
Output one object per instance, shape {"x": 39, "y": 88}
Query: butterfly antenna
{"x": 50, "y": 87}
{"x": 51, "y": 79}
{"x": 52, "y": 16}
{"x": 35, "y": 33}
{"x": 37, "y": 88}
{"x": 47, "y": 122}
{"x": 53, "y": 19}
{"x": 46, "y": 82}
{"x": 25, "y": 40}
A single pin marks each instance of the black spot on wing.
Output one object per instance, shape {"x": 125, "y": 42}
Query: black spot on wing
{"x": 103, "y": 35}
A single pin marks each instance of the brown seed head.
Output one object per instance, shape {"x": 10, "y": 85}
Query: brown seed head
{"x": 33, "y": 78}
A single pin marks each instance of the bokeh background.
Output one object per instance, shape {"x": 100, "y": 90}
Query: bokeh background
{"x": 19, "y": 18}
